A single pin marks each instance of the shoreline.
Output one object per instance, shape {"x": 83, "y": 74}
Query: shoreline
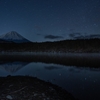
{"x": 69, "y": 59}
{"x": 16, "y": 87}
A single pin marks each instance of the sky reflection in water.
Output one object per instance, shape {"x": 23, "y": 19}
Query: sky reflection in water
{"x": 82, "y": 82}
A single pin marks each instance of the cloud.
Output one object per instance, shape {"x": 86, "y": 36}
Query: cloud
{"x": 83, "y": 36}
{"x": 94, "y": 36}
{"x": 74, "y": 70}
{"x": 79, "y": 37}
{"x": 73, "y": 35}
{"x": 52, "y": 37}
{"x": 52, "y": 67}
{"x": 76, "y": 35}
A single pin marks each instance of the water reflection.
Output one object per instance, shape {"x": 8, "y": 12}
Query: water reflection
{"x": 52, "y": 67}
{"x": 82, "y": 82}
{"x": 77, "y": 59}
{"x": 74, "y": 70}
{"x": 12, "y": 67}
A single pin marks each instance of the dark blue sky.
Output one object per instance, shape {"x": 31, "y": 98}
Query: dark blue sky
{"x": 43, "y": 20}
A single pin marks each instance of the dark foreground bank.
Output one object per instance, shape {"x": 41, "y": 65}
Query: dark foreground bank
{"x": 30, "y": 88}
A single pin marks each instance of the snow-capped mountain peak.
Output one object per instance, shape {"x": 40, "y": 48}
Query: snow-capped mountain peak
{"x": 14, "y": 37}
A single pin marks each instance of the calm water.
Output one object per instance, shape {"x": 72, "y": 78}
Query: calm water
{"x": 82, "y": 82}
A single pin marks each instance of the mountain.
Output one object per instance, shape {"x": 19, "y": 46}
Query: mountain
{"x": 13, "y": 37}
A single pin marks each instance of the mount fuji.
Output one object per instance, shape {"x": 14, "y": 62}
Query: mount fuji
{"x": 13, "y": 37}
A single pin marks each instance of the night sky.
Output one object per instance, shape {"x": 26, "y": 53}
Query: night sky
{"x": 44, "y": 20}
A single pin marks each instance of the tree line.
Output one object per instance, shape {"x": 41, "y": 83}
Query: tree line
{"x": 79, "y": 45}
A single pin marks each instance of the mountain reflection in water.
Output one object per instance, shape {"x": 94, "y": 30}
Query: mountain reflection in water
{"x": 81, "y": 81}
{"x": 12, "y": 67}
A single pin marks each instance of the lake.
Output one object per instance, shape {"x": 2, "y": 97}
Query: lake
{"x": 81, "y": 80}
